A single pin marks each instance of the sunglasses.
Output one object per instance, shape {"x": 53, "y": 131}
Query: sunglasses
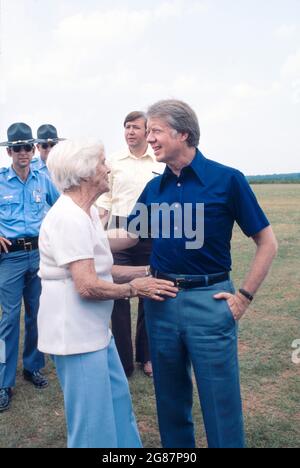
{"x": 47, "y": 145}
{"x": 18, "y": 148}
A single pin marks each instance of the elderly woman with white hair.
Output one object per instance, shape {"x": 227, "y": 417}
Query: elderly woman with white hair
{"x": 77, "y": 275}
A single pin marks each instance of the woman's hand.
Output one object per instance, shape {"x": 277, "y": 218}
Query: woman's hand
{"x": 3, "y": 244}
{"x": 153, "y": 288}
{"x": 238, "y": 304}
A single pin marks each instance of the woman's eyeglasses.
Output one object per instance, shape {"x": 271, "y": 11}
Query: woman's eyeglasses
{"x": 18, "y": 148}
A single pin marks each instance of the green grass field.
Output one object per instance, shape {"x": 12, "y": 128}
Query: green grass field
{"x": 270, "y": 380}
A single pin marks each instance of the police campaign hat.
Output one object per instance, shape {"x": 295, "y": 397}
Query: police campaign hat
{"x": 47, "y": 133}
{"x": 18, "y": 134}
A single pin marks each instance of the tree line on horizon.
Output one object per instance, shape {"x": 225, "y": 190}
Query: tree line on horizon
{"x": 293, "y": 178}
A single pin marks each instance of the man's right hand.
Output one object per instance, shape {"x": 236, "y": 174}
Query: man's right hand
{"x": 3, "y": 244}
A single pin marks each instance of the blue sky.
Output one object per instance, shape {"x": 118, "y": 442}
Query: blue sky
{"x": 82, "y": 65}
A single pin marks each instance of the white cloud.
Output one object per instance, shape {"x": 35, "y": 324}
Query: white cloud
{"x": 99, "y": 48}
{"x": 99, "y": 28}
{"x": 177, "y": 8}
{"x": 84, "y": 65}
{"x": 291, "y": 67}
{"x": 249, "y": 91}
{"x": 290, "y": 73}
{"x": 286, "y": 31}
{"x": 168, "y": 9}
{"x": 296, "y": 91}
{"x": 106, "y": 27}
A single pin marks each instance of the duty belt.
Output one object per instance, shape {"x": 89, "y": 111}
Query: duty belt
{"x": 23, "y": 243}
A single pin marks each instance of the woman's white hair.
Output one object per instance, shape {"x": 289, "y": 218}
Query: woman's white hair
{"x": 70, "y": 161}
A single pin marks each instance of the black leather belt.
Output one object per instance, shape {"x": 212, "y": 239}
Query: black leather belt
{"x": 23, "y": 243}
{"x": 199, "y": 281}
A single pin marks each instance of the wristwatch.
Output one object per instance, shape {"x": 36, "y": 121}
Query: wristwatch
{"x": 246, "y": 294}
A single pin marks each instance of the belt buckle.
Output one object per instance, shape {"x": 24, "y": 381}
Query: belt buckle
{"x": 178, "y": 281}
{"x": 26, "y": 245}
{"x": 29, "y": 245}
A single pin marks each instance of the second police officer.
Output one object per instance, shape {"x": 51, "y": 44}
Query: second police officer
{"x": 46, "y": 138}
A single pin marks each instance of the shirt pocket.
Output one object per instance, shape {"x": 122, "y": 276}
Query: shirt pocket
{"x": 9, "y": 207}
{"x": 37, "y": 202}
{"x": 216, "y": 220}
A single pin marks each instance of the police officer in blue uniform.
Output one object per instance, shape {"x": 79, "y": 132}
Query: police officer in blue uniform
{"x": 46, "y": 138}
{"x": 25, "y": 197}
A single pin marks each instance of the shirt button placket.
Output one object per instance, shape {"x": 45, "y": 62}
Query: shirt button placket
{"x": 177, "y": 205}
{"x": 180, "y": 187}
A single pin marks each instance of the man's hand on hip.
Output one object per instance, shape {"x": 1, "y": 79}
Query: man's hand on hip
{"x": 238, "y": 304}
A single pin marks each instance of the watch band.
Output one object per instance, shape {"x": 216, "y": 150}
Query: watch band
{"x": 246, "y": 294}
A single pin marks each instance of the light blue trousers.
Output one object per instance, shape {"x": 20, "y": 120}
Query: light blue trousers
{"x": 97, "y": 399}
{"x": 19, "y": 280}
{"x": 196, "y": 330}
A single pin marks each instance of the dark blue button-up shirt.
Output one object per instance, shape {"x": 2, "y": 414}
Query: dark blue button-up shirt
{"x": 225, "y": 197}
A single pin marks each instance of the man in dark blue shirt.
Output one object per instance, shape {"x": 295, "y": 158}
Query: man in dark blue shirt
{"x": 190, "y": 211}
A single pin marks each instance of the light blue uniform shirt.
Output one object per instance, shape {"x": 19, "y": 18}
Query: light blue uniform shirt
{"x": 23, "y": 205}
{"x": 40, "y": 165}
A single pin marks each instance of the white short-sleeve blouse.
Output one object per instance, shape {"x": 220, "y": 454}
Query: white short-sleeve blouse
{"x": 68, "y": 324}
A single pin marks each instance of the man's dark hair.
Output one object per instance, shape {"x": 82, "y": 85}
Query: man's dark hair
{"x": 135, "y": 115}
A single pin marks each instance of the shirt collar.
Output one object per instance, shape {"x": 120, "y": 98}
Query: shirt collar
{"x": 12, "y": 174}
{"x": 127, "y": 154}
{"x": 197, "y": 166}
